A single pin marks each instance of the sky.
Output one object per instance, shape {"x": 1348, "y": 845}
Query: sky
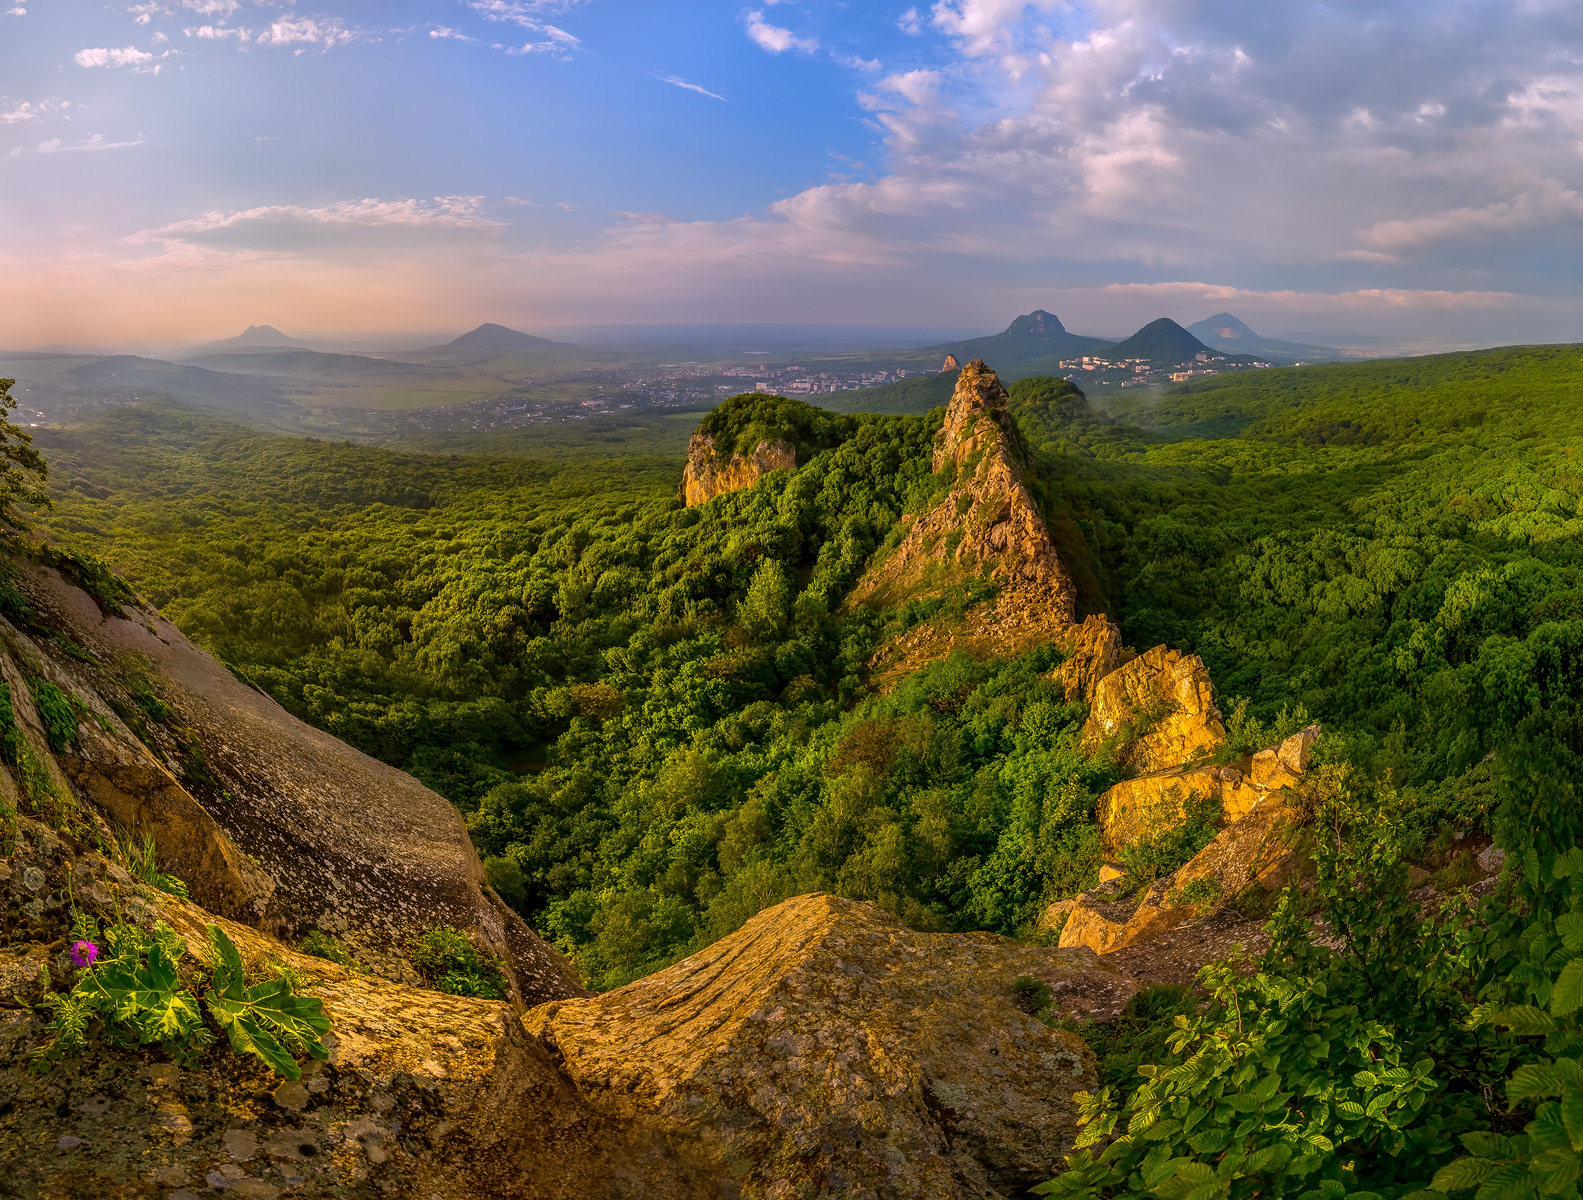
{"x": 1402, "y": 173}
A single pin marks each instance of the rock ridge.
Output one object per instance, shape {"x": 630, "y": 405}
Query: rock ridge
{"x": 986, "y": 528}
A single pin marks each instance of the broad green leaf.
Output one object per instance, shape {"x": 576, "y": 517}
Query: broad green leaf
{"x": 1490, "y": 1145}
{"x": 1533, "y": 1079}
{"x": 1570, "y": 863}
{"x": 1545, "y": 1131}
{"x": 1464, "y": 1173}
{"x": 1568, "y": 993}
{"x": 1570, "y": 927}
{"x": 1572, "y": 1116}
{"x": 1510, "y": 1182}
{"x": 1524, "y": 1020}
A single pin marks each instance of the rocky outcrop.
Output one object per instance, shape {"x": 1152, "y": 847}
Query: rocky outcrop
{"x": 1160, "y": 707}
{"x": 1093, "y": 651}
{"x": 266, "y": 819}
{"x": 708, "y": 475}
{"x": 949, "y": 364}
{"x": 822, "y": 1050}
{"x": 1257, "y": 846}
{"x": 988, "y": 529}
{"x": 1138, "y": 810}
{"x": 424, "y": 1095}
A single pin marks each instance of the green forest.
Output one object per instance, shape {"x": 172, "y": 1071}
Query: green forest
{"x": 657, "y": 721}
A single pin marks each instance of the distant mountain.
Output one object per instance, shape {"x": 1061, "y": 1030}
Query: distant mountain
{"x": 496, "y": 341}
{"x": 1226, "y": 333}
{"x": 1163, "y": 342}
{"x": 256, "y": 337}
{"x": 1035, "y": 337}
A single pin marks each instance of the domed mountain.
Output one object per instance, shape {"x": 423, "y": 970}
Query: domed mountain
{"x": 1230, "y": 335}
{"x": 491, "y": 341}
{"x": 1033, "y": 344}
{"x": 1162, "y": 342}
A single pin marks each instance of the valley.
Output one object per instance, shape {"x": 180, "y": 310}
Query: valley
{"x": 1094, "y": 696}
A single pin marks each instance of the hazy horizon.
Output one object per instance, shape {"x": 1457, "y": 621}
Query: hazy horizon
{"x": 1394, "y": 175}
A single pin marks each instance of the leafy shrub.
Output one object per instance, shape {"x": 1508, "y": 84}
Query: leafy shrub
{"x": 134, "y": 991}
{"x": 1153, "y": 857}
{"x": 1197, "y": 893}
{"x": 58, "y": 712}
{"x": 328, "y": 947}
{"x": 449, "y": 962}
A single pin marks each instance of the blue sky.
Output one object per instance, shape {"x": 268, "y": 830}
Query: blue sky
{"x": 1396, "y": 171}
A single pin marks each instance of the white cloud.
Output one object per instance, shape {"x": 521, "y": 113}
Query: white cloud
{"x": 219, "y": 33}
{"x": 910, "y": 23}
{"x": 25, "y": 111}
{"x": 554, "y": 41}
{"x": 677, "y": 81}
{"x": 212, "y": 8}
{"x": 324, "y": 32}
{"x": 18, "y": 11}
{"x": 93, "y": 142}
{"x": 985, "y": 25}
{"x": 445, "y": 31}
{"x": 526, "y": 13}
{"x": 129, "y": 56}
{"x": 775, "y": 39}
{"x": 346, "y": 226}
{"x": 1546, "y": 205}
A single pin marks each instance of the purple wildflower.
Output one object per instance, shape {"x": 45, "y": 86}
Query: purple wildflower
{"x": 83, "y": 953}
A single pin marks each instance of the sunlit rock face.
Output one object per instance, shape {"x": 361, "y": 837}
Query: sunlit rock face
{"x": 824, "y": 1049}
{"x": 985, "y": 535}
{"x": 707, "y": 475}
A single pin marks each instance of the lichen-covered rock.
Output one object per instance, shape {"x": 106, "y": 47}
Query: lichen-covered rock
{"x": 267, "y": 820}
{"x": 424, "y": 1095}
{"x": 987, "y": 528}
{"x": 707, "y": 475}
{"x": 1280, "y": 766}
{"x": 825, "y": 1050}
{"x": 1161, "y": 706}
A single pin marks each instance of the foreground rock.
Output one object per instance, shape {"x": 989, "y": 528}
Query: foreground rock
{"x": 424, "y": 1095}
{"x": 708, "y": 474}
{"x": 267, "y": 820}
{"x": 825, "y": 1050}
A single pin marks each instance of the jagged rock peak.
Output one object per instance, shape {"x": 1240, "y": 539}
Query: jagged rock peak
{"x": 986, "y": 528}
{"x": 707, "y": 475}
{"x": 977, "y": 417}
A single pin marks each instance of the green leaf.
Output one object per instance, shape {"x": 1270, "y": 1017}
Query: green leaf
{"x": 1570, "y": 863}
{"x": 1568, "y": 993}
{"x": 1490, "y": 1145}
{"x": 1524, "y": 1020}
{"x": 1533, "y": 1079}
{"x": 1570, "y": 927}
{"x": 1464, "y": 1173}
{"x": 257, "y": 1018}
{"x": 1510, "y": 1182}
{"x": 1572, "y": 1116}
